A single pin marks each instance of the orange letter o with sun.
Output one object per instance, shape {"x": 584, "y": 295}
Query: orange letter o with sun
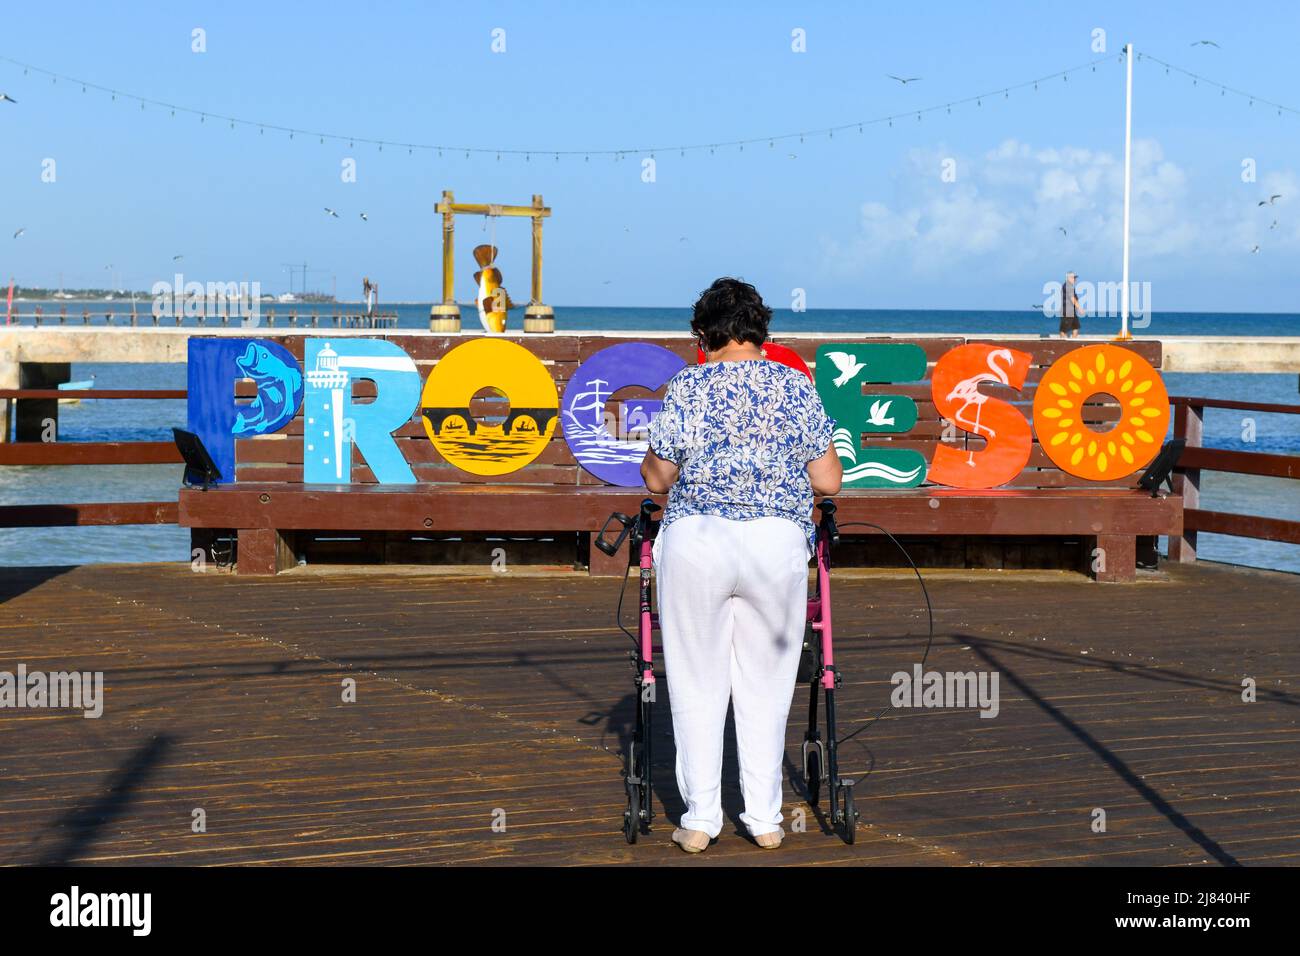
{"x": 1101, "y": 370}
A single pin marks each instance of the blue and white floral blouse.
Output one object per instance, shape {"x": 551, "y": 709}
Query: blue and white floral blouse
{"x": 742, "y": 434}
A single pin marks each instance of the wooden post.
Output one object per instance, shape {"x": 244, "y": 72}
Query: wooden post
{"x": 263, "y": 551}
{"x": 10, "y": 370}
{"x": 538, "y": 317}
{"x": 536, "y": 298}
{"x": 1189, "y": 424}
{"x": 1111, "y": 557}
{"x": 31, "y": 414}
{"x": 444, "y": 316}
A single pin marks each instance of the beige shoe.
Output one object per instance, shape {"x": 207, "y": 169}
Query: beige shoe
{"x": 692, "y": 841}
{"x": 770, "y": 841}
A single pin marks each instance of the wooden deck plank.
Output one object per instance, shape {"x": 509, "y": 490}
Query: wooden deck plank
{"x": 479, "y": 693}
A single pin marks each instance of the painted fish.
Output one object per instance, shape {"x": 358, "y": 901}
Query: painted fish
{"x": 279, "y": 391}
{"x": 493, "y": 300}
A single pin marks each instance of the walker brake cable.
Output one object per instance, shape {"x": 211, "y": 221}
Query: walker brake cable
{"x": 618, "y": 614}
{"x": 929, "y": 609}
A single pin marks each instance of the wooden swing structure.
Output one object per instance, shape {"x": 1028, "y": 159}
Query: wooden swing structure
{"x": 445, "y": 316}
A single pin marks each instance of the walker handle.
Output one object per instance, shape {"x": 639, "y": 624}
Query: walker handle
{"x": 827, "y": 507}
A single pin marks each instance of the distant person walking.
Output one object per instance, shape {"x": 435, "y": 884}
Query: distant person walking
{"x": 1070, "y": 308}
{"x": 369, "y": 290}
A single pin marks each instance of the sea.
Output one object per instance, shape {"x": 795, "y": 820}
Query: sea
{"x": 152, "y": 420}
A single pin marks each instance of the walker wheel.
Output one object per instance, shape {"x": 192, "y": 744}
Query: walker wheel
{"x": 812, "y": 774}
{"x": 850, "y": 816}
{"x": 632, "y": 815}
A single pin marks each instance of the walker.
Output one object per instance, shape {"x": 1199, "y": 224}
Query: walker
{"x": 816, "y": 667}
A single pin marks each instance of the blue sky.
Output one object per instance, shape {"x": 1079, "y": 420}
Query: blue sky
{"x": 859, "y": 221}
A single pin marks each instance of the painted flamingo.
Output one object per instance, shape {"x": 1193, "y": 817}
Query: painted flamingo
{"x": 968, "y": 391}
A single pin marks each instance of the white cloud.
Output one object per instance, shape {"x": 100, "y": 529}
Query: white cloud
{"x": 1004, "y": 214}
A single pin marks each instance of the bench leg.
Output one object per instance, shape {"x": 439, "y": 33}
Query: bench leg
{"x": 1112, "y": 557}
{"x": 601, "y": 565}
{"x": 263, "y": 551}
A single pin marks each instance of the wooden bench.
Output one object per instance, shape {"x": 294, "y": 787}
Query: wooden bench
{"x": 265, "y": 516}
{"x": 268, "y": 504}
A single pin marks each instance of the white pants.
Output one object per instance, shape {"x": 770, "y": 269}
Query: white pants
{"x": 733, "y": 599}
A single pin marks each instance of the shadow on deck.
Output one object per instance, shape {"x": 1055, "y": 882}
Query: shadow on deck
{"x": 485, "y": 700}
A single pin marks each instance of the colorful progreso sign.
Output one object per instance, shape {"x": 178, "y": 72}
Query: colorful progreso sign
{"x": 334, "y": 425}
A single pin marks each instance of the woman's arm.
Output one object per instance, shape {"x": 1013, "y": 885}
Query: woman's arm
{"x": 658, "y": 473}
{"x": 826, "y": 473}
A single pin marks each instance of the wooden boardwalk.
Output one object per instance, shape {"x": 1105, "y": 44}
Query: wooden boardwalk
{"x": 483, "y": 697}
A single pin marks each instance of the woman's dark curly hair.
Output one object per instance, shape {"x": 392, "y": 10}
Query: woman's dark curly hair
{"x": 730, "y": 310}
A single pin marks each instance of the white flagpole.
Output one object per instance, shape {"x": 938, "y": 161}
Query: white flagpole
{"x": 1128, "y": 184}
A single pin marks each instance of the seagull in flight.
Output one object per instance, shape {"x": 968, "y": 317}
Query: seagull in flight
{"x": 847, "y": 365}
{"x": 1274, "y": 226}
{"x": 365, "y": 218}
{"x": 1270, "y": 200}
{"x": 20, "y": 232}
{"x": 178, "y": 258}
{"x": 1255, "y": 249}
{"x": 1063, "y": 232}
{"x": 6, "y": 98}
{"x": 903, "y": 79}
{"x": 879, "y": 409}
{"x": 331, "y": 212}
{"x": 1205, "y": 43}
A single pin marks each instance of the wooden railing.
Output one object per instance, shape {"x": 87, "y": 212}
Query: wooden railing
{"x": 1189, "y": 425}
{"x": 88, "y": 453}
{"x": 311, "y": 317}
